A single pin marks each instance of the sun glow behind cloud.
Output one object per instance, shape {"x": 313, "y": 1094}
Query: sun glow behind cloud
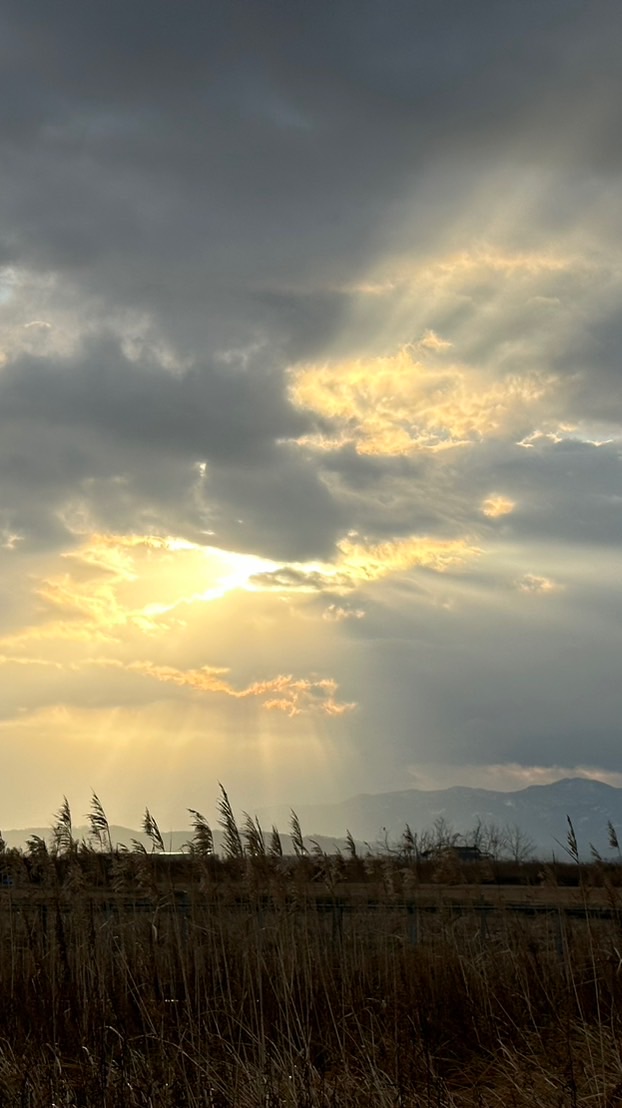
{"x": 144, "y": 581}
{"x": 105, "y": 600}
{"x": 147, "y": 620}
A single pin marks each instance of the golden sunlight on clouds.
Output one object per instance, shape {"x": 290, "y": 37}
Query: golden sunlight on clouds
{"x": 144, "y": 612}
{"x": 283, "y": 693}
{"x": 127, "y": 589}
{"x": 337, "y": 613}
{"x": 113, "y": 584}
{"x": 373, "y": 561}
{"x": 432, "y": 341}
{"x": 359, "y": 562}
{"x": 117, "y": 593}
{"x": 486, "y": 260}
{"x": 398, "y": 405}
{"x": 463, "y": 268}
{"x": 495, "y": 506}
{"x": 29, "y": 660}
{"x": 535, "y": 585}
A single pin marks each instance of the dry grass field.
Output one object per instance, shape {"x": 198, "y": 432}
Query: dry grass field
{"x": 136, "y": 979}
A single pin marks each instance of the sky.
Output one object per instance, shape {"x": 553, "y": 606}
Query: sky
{"x": 310, "y": 400}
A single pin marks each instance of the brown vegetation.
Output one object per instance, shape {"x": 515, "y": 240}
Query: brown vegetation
{"x": 137, "y": 979}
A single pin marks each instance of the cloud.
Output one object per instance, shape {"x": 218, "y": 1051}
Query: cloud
{"x": 337, "y": 613}
{"x": 432, "y": 341}
{"x": 292, "y": 579}
{"x": 117, "y": 596}
{"x": 283, "y": 693}
{"x": 372, "y": 561}
{"x": 359, "y": 562}
{"x": 535, "y": 585}
{"x": 495, "y": 506}
{"x": 397, "y": 405}
{"x": 117, "y": 585}
{"x": 86, "y": 433}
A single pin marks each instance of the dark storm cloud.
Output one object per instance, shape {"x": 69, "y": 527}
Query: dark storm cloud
{"x": 102, "y": 391}
{"x": 256, "y": 144}
{"x": 223, "y": 168}
{"x": 130, "y": 437}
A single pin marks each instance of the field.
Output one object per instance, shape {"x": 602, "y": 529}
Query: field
{"x": 140, "y": 979}
{"x": 254, "y": 980}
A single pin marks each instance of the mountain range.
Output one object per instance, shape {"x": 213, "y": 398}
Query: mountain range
{"x": 540, "y": 812}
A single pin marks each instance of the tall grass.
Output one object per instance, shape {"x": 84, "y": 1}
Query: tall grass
{"x": 133, "y": 979}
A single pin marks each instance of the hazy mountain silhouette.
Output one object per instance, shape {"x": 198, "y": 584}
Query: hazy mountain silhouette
{"x": 540, "y": 811}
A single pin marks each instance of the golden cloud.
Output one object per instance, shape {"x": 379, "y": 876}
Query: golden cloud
{"x": 283, "y": 693}
{"x": 115, "y": 590}
{"x": 371, "y": 561}
{"x": 302, "y": 578}
{"x": 337, "y": 613}
{"x": 114, "y": 585}
{"x": 359, "y": 561}
{"x": 495, "y": 506}
{"x": 118, "y": 590}
{"x": 397, "y": 405}
{"x": 535, "y": 585}
{"x": 432, "y": 341}
{"x": 462, "y": 269}
{"x": 485, "y": 261}
{"x": 20, "y": 660}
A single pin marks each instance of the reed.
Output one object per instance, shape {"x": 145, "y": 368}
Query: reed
{"x": 137, "y": 979}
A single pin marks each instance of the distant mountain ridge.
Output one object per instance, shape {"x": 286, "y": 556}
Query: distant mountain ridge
{"x": 539, "y": 811}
